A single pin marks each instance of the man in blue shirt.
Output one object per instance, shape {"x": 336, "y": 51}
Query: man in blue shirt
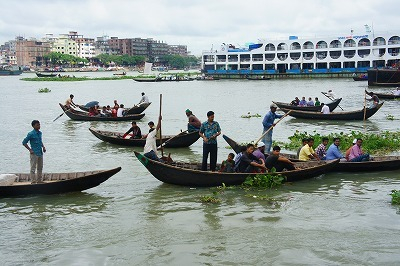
{"x": 268, "y": 122}
{"x": 36, "y": 150}
{"x": 209, "y": 131}
{"x": 333, "y": 151}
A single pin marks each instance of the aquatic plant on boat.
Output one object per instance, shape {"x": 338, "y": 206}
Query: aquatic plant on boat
{"x": 375, "y": 143}
{"x": 267, "y": 180}
{"x": 395, "y": 196}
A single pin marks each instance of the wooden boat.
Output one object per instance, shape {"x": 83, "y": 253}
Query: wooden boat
{"x": 332, "y": 106}
{"x": 376, "y": 163}
{"x": 146, "y": 79}
{"x": 55, "y": 183}
{"x": 84, "y": 116}
{"x": 384, "y": 95}
{"x": 189, "y": 174}
{"x": 181, "y": 140}
{"x": 137, "y": 109}
{"x": 46, "y": 75}
{"x": 237, "y": 148}
{"x": 362, "y": 77}
{"x": 351, "y": 115}
{"x": 384, "y": 77}
{"x": 120, "y": 74}
{"x": 10, "y": 71}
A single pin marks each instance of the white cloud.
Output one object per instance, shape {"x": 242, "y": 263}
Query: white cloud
{"x": 198, "y": 24}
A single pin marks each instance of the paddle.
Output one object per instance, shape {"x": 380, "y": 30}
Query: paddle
{"x": 365, "y": 106}
{"x": 58, "y": 117}
{"x": 165, "y": 143}
{"x": 161, "y": 144}
{"x": 330, "y": 98}
{"x": 271, "y": 127}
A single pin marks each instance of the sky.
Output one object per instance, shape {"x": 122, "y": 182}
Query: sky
{"x": 201, "y": 25}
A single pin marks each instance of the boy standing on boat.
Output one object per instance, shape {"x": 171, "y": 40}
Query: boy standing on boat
{"x": 209, "y": 131}
{"x": 36, "y": 151}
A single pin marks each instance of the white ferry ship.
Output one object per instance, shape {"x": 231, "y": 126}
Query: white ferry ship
{"x": 340, "y": 54}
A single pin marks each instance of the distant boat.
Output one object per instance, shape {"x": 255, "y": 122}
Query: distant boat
{"x": 9, "y": 71}
{"x": 361, "y": 77}
{"x": 384, "y": 77}
{"x": 46, "y": 75}
{"x": 120, "y": 74}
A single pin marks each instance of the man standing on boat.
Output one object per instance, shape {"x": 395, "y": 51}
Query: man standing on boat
{"x": 36, "y": 151}
{"x": 268, "y": 124}
{"x": 209, "y": 131}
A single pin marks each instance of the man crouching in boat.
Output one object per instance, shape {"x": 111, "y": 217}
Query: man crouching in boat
{"x": 280, "y": 163}
{"x": 249, "y": 163}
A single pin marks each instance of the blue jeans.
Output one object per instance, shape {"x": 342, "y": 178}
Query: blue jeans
{"x": 267, "y": 139}
{"x": 361, "y": 158}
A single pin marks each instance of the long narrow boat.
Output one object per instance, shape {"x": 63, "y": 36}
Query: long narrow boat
{"x": 332, "y": 106}
{"x": 351, "y": 115}
{"x": 376, "y": 163}
{"x": 55, "y": 183}
{"x": 384, "y": 95}
{"x": 237, "y": 148}
{"x": 83, "y": 116}
{"x": 189, "y": 174}
{"x": 146, "y": 79}
{"x": 257, "y": 78}
{"x": 46, "y": 75}
{"x": 181, "y": 140}
{"x": 136, "y": 109}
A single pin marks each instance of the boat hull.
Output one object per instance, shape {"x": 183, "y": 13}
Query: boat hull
{"x": 82, "y": 181}
{"x": 384, "y": 77}
{"x": 184, "y": 174}
{"x": 385, "y": 96}
{"x": 181, "y": 140}
{"x": 353, "y": 115}
{"x": 332, "y": 106}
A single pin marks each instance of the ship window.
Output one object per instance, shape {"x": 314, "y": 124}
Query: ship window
{"x": 335, "y": 54}
{"x": 295, "y": 56}
{"x": 295, "y": 46}
{"x": 270, "y": 47}
{"x": 257, "y": 67}
{"x": 379, "y": 52}
{"x": 351, "y": 64}
{"x": 364, "y": 42}
{"x": 363, "y": 64}
{"x": 322, "y": 65}
{"x": 308, "y": 66}
{"x": 308, "y": 45}
{"x": 335, "y": 65}
{"x": 349, "y": 54}
{"x": 394, "y": 40}
{"x": 378, "y": 63}
{"x": 393, "y": 51}
{"x": 321, "y": 55}
{"x": 282, "y": 46}
{"x": 308, "y": 55}
{"x": 282, "y": 56}
{"x": 257, "y": 57}
{"x": 379, "y": 41}
{"x": 269, "y": 57}
{"x": 269, "y": 66}
{"x": 364, "y": 52}
{"x": 321, "y": 45}
{"x": 349, "y": 43}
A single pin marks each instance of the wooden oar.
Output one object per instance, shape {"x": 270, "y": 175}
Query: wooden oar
{"x": 165, "y": 143}
{"x": 365, "y": 106}
{"x": 58, "y": 117}
{"x": 162, "y": 150}
{"x": 330, "y": 98}
{"x": 271, "y": 127}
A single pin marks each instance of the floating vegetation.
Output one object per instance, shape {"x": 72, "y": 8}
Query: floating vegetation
{"x": 44, "y": 90}
{"x": 390, "y": 117}
{"x": 250, "y": 115}
{"x": 395, "y": 196}
{"x": 73, "y": 78}
{"x": 374, "y": 143}
{"x": 267, "y": 180}
{"x": 210, "y": 199}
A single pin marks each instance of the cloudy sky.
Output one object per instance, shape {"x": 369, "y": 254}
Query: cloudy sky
{"x": 200, "y": 24}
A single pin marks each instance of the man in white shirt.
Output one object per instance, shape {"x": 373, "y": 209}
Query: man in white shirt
{"x": 120, "y": 111}
{"x": 144, "y": 99}
{"x": 396, "y": 92}
{"x": 150, "y": 148}
{"x": 325, "y": 109}
{"x": 330, "y": 94}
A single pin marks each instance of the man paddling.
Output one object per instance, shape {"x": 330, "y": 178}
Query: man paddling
{"x": 268, "y": 122}
{"x": 69, "y": 102}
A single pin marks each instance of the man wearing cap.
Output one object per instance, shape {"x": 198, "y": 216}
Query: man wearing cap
{"x": 144, "y": 99}
{"x": 259, "y": 152}
{"x": 194, "y": 123}
{"x": 268, "y": 122}
{"x": 209, "y": 131}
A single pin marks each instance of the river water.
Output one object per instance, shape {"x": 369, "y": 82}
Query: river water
{"x": 133, "y": 219}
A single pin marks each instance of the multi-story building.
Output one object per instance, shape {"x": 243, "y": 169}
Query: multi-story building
{"x": 178, "y": 50}
{"x": 102, "y": 46}
{"x": 65, "y": 45}
{"x": 156, "y": 49}
{"x": 30, "y": 52}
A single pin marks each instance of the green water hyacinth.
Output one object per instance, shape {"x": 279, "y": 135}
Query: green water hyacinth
{"x": 395, "y": 197}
